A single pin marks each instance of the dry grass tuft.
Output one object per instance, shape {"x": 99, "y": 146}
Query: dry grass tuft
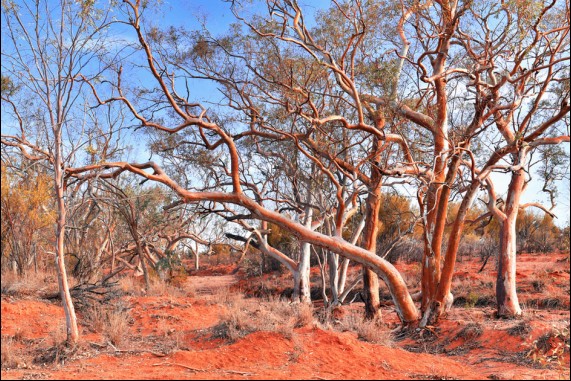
{"x": 221, "y": 295}
{"x": 242, "y": 317}
{"x": 471, "y": 331}
{"x": 131, "y": 286}
{"x": 367, "y": 330}
{"x": 136, "y": 286}
{"x": 159, "y": 287}
{"x": 58, "y": 335}
{"x": 9, "y": 359}
{"x": 303, "y": 313}
{"x": 113, "y": 322}
{"x": 117, "y": 328}
{"x": 521, "y": 329}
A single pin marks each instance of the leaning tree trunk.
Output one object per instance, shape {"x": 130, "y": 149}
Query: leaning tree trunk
{"x": 144, "y": 268}
{"x": 72, "y": 331}
{"x": 404, "y": 304}
{"x": 506, "y": 294}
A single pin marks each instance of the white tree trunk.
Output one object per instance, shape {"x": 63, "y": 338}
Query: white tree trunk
{"x": 72, "y": 331}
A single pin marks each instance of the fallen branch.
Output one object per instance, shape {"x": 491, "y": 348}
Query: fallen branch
{"x": 135, "y": 351}
{"x": 182, "y": 366}
{"x": 236, "y": 372}
{"x": 230, "y": 371}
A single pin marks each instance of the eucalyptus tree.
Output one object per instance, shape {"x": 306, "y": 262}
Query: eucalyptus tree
{"x": 532, "y": 115}
{"x": 367, "y": 92}
{"x": 217, "y": 133}
{"x": 45, "y": 49}
{"x": 522, "y": 54}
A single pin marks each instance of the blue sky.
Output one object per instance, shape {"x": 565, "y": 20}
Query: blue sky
{"x": 218, "y": 18}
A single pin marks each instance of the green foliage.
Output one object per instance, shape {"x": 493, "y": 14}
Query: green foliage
{"x": 279, "y": 238}
{"x": 8, "y": 87}
{"x": 169, "y": 262}
{"x": 471, "y": 299}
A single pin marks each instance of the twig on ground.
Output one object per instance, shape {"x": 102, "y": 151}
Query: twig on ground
{"x": 230, "y": 371}
{"x": 181, "y": 365}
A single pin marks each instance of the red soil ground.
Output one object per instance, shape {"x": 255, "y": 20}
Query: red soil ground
{"x": 170, "y": 337}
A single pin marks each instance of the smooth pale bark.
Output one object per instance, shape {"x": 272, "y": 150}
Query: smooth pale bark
{"x": 72, "y": 331}
{"x": 404, "y": 304}
{"x": 333, "y": 262}
{"x": 369, "y": 242}
{"x": 304, "y": 284}
{"x": 343, "y": 276}
{"x": 506, "y": 294}
{"x": 343, "y": 295}
{"x": 323, "y": 282}
{"x": 345, "y": 264}
{"x": 304, "y": 259}
{"x": 196, "y": 257}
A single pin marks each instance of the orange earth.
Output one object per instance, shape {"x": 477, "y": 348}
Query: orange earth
{"x": 171, "y": 336}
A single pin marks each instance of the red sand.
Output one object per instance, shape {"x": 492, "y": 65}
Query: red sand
{"x": 310, "y": 353}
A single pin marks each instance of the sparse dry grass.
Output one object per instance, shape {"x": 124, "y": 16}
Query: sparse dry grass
{"x": 367, "y": 330}
{"x": 222, "y": 295}
{"x": 111, "y": 321}
{"x": 159, "y": 287}
{"x": 471, "y": 331}
{"x": 521, "y": 329}
{"x": 28, "y": 284}
{"x": 117, "y": 328}
{"x": 94, "y": 318}
{"x": 131, "y": 285}
{"x": 8, "y": 355}
{"x": 243, "y": 316}
{"x": 58, "y": 335}
{"x": 551, "y": 347}
{"x": 16, "y": 352}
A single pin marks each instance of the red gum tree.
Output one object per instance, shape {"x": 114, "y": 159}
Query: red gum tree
{"x": 294, "y": 83}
